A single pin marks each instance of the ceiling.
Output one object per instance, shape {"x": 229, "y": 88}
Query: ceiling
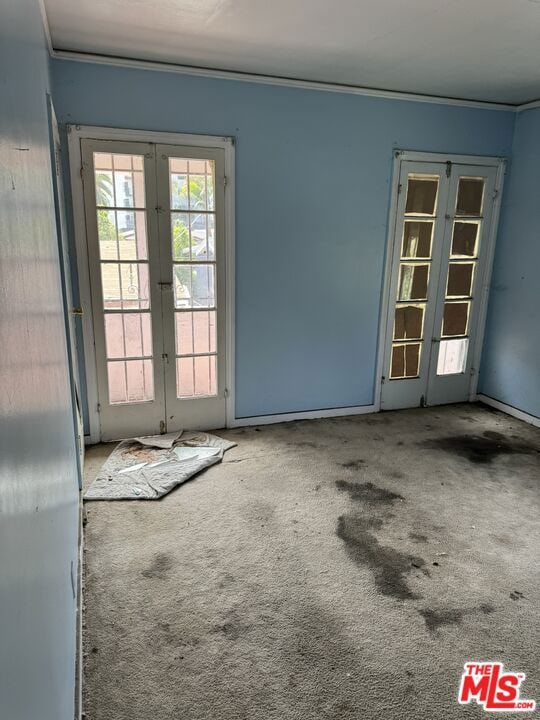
{"x": 470, "y": 49}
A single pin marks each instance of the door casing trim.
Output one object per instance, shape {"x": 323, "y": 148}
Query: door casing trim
{"x": 76, "y": 133}
{"x": 418, "y": 156}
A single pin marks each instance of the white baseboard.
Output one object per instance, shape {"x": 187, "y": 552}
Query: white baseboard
{"x": 356, "y": 410}
{"x": 509, "y": 410}
{"x": 309, "y": 415}
{"x": 284, "y": 417}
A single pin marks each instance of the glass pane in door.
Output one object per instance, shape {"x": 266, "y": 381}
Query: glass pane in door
{"x": 462, "y": 268}
{"x": 417, "y": 238}
{"x": 464, "y": 239}
{"x": 414, "y": 275}
{"x": 123, "y": 255}
{"x": 421, "y": 195}
{"x": 193, "y": 223}
{"x": 405, "y": 361}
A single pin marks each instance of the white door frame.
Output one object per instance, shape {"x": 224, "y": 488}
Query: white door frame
{"x": 413, "y": 156}
{"x": 75, "y": 134}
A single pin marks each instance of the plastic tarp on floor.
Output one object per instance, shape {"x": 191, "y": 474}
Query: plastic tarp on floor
{"x": 147, "y": 468}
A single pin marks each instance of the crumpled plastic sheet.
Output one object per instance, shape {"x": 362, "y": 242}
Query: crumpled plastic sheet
{"x": 147, "y": 468}
{"x": 165, "y": 441}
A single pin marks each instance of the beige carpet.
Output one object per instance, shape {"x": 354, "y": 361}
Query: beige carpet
{"x": 336, "y": 569}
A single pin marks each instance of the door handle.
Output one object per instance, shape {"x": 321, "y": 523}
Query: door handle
{"x": 77, "y": 311}
{"x": 435, "y": 340}
{"x": 165, "y": 285}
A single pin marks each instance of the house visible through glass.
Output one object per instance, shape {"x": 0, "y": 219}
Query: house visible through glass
{"x": 123, "y": 254}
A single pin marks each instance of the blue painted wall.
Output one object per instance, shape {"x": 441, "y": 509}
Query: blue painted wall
{"x": 313, "y": 186}
{"x": 38, "y": 470}
{"x": 510, "y": 369}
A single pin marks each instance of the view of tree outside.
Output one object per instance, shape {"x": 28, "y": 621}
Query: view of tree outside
{"x": 189, "y": 237}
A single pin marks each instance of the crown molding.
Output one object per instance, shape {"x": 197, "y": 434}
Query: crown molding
{"x": 276, "y": 81}
{"x": 528, "y": 106}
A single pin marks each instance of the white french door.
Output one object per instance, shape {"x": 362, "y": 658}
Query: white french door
{"x": 440, "y": 261}
{"x": 191, "y": 223}
{"x": 155, "y": 234}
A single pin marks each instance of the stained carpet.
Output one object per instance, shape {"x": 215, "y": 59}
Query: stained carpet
{"x": 334, "y": 569}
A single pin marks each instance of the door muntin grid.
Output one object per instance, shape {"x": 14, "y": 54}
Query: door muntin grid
{"x": 420, "y": 217}
{"x": 193, "y": 244}
{"x": 461, "y": 275}
{"x": 120, "y": 206}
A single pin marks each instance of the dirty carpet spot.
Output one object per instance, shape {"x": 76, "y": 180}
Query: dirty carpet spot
{"x": 479, "y": 449}
{"x": 435, "y": 619}
{"x": 161, "y": 565}
{"x": 368, "y": 493}
{"x": 353, "y": 464}
{"x": 389, "y": 567}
